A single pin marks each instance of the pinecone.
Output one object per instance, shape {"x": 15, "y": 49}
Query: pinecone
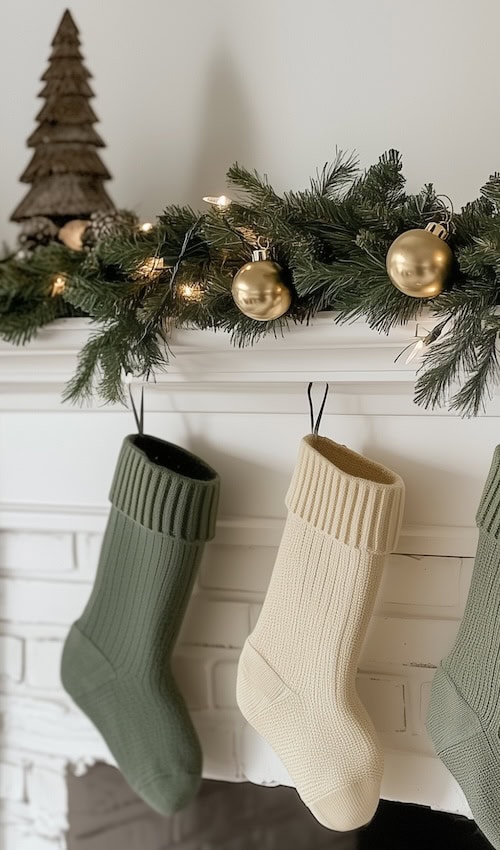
{"x": 106, "y": 225}
{"x": 35, "y": 232}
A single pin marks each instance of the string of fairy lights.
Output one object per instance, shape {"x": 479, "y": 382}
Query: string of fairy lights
{"x": 418, "y": 262}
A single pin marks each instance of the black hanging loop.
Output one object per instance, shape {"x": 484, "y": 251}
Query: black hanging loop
{"x": 315, "y": 425}
{"x": 139, "y": 417}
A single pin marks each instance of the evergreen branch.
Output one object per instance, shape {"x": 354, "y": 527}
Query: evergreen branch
{"x": 22, "y": 325}
{"x": 491, "y": 190}
{"x": 382, "y": 183}
{"x": 257, "y": 189}
{"x": 471, "y": 398}
{"x": 119, "y": 348}
{"x": 335, "y": 176}
{"x": 452, "y": 356}
{"x": 331, "y": 240}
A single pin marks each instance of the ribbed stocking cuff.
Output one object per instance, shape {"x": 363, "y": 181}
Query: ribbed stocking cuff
{"x": 488, "y": 512}
{"x": 165, "y": 488}
{"x": 344, "y": 494}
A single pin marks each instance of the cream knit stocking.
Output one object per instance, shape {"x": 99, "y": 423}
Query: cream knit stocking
{"x": 296, "y": 675}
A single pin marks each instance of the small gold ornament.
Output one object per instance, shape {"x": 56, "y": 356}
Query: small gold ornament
{"x": 146, "y": 227}
{"x": 72, "y": 233}
{"x": 150, "y": 268}
{"x": 259, "y": 290}
{"x": 419, "y": 261}
{"x": 58, "y": 283}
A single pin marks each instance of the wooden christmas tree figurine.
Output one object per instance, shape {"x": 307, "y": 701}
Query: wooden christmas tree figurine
{"x": 65, "y": 171}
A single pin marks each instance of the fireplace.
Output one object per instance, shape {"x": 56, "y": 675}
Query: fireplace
{"x": 105, "y": 815}
{"x": 245, "y": 412}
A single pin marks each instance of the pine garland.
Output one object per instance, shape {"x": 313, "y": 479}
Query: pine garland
{"x": 331, "y": 240}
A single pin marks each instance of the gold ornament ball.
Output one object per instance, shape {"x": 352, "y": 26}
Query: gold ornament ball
{"x": 72, "y": 233}
{"x": 259, "y": 291}
{"x": 419, "y": 262}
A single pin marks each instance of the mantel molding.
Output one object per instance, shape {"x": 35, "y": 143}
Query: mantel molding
{"x": 200, "y": 354}
{"x": 357, "y": 362}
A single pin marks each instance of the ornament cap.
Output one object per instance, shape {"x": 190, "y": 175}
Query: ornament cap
{"x": 259, "y": 254}
{"x": 437, "y": 229}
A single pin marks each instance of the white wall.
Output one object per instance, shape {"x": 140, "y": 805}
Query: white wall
{"x": 185, "y": 87}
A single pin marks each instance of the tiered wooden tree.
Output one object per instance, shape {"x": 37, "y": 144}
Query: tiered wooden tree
{"x": 65, "y": 171}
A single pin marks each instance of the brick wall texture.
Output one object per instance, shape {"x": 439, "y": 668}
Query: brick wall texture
{"x": 45, "y": 579}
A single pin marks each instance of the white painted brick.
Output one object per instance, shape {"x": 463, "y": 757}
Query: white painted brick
{"x": 43, "y": 659}
{"x": 465, "y": 580}
{"x": 416, "y": 778}
{"x": 11, "y": 658}
{"x": 259, "y": 762}
{"x": 11, "y": 782}
{"x": 416, "y": 738}
{"x": 193, "y": 679}
{"x": 254, "y": 615}
{"x": 47, "y": 789}
{"x": 16, "y": 837}
{"x": 407, "y": 642}
{"x": 241, "y": 568}
{"x": 425, "y": 698}
{"x": 88, "y": 549}
{"x": 384, "y": 699}
{"x": 224, "y": 684}
{"x": 50, "y": 602}
{"x": 423, "y": 580}
{"x": 213, "y": 623}
{"x": 36, "y": 552}
{"x": 218, "y": 745}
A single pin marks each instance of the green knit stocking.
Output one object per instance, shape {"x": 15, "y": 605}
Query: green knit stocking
{"x": 116, "y": 660}
{"x": 464, "y": 713}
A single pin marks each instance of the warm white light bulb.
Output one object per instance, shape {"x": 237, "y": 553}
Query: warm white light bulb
{"x": 146, "y": 227}
{"x": 221, "y": 202}
{"x": 417, "y": 348}
{"x": 190, "y": 291}
{"x": 151, "y": 267}
{"x": 58, "y": 284}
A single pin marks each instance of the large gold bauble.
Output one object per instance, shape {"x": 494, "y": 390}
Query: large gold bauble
{"x": 419, "y": 261}
{"x": 72, "y": 232}
{"x": 259, "y": 290}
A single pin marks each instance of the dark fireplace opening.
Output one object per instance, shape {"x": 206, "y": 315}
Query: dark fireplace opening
{"x": 105, "y": 814}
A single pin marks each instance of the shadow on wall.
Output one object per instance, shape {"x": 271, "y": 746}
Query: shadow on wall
{"x": 226, "y": 129}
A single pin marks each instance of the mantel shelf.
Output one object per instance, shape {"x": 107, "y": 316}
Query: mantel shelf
{"x": 357, "y": 362}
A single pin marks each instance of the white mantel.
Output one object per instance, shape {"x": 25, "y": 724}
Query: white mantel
{"x": 244, "y": 411}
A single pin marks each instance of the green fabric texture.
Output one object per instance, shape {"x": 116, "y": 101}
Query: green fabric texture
{"x": 116, "y": 659}
{"x": 464, "y": 712}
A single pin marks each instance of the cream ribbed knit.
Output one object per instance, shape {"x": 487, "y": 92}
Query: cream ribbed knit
{"x": 296, "y": 675}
